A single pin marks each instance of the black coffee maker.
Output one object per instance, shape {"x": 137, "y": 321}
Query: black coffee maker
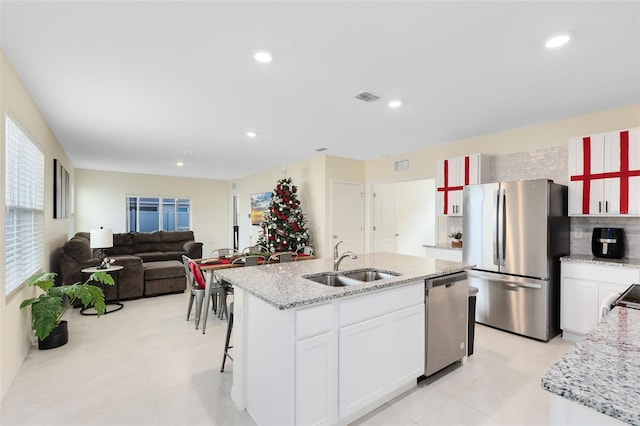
{"x": 608, "y": 242}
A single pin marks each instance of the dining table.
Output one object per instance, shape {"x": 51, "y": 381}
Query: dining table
{"x": 209, "y": 265}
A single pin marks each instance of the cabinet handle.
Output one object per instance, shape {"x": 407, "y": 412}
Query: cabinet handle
{"x": 606, "y": 207}
{"x": 599, "y": 206}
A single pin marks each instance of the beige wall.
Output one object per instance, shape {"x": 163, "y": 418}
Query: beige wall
{"x": 310, "y": 178}
{"x": 556, "y": 133}
{"x": 101, "y": 201}
{"x": 15, "y": 328}
{"x": 313, "y": 178}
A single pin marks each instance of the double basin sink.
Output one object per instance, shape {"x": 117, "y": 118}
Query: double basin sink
{"x": 344, "y": 278}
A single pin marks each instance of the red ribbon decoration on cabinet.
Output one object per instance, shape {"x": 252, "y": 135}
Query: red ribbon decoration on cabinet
{"x": 623, "y": 174}
{"x": 446, "y": 188}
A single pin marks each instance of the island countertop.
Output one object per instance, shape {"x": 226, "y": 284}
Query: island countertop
{"x": 282, "y": 284}
{"x": 601, "y": 371}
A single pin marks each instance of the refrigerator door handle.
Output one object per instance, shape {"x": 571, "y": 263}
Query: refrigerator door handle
{"x": 501, "y": 227}
{"x": 518, "y": 285}
{"x": 496, "y": 237}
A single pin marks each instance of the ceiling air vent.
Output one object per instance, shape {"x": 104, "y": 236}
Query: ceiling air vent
{"x": 367, "y": 97}
{"x": 401, "y": 165}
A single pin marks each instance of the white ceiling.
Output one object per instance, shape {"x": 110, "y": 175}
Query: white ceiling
{"x": 137, "y": 86}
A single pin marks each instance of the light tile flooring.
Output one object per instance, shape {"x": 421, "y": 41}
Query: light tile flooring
{"x": 145, "y": 365}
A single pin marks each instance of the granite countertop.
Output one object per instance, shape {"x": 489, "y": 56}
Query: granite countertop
{"x": 282, "y": 285}
{"x": 443, "y": 246}
{"x": 601, "y": 371}
{"x": 583, "y": 258}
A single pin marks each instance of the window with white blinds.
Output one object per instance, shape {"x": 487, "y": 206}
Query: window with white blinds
{"x": 24, "y": 206}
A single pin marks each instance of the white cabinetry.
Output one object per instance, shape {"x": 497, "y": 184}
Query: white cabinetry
{"x": 329, "y": 363}
{"x": 315, "y": 365}
{"x": 584, "y": 288}
{"x": 378, "y": 356}
{"x": 604, "y": 174}
{"x": 452, "y": 174}
{"x": 315, "y": 380}
{"x": 361, "y": 365}
{"x": 454, "y": 255}
{"x": 381, "y": 347}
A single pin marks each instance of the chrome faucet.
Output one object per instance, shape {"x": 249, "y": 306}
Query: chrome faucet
{"x": 337, "y": 258}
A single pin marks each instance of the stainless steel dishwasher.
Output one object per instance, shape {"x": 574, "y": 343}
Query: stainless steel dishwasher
{"x": 446, "y": 310}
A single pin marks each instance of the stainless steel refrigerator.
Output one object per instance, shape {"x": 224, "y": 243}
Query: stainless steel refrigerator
{"x": 515, "y": 234}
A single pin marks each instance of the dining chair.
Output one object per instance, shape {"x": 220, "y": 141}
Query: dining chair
{"x": 197, "y": 285}
{"x": 227, "y": 289}
{"x": 254, "y": 249}
{"x": 285, "y": 256}
{"x": 223, "y": 252}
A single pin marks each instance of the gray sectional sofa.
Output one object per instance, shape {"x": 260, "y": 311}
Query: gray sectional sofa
{"x": 151, "y": 261}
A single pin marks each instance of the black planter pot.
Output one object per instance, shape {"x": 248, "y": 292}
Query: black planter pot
{"x": 58, "y": 337}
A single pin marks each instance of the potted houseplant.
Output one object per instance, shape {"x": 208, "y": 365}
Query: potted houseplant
{"x": 457, "y": 239}
{"x": 47, "y": 309}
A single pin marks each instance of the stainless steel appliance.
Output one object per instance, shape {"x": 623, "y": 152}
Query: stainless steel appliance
{"x": 630, "y": 298}
{"x": 608, "y": 242}
{"x": 446, "y": 299}
{"x": 515, "y": 234}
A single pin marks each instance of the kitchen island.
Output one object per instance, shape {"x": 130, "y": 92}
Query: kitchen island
{"x": 306, "y": 353}
{"x": 596, "y": 382}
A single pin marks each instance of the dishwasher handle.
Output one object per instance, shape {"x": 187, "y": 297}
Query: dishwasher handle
{"x": 447, "y": 280}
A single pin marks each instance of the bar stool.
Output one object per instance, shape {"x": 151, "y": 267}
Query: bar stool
{"x": 226, "y": 343}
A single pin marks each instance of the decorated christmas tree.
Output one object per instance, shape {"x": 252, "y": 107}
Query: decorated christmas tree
{"x": 284, "y": 227}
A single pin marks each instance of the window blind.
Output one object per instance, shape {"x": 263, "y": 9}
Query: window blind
{"x": 24, "y": 206}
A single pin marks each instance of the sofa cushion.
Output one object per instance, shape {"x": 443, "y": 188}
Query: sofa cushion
{"x": 173, "y": 236}
{"x": 151, "y": 256}
{"x": 163, "y": 270}
{"x": 175, "y": 241}
{"x": 174, "y": 255}
{"x": 122, "y": 244}
{"x": 126, "y": 259}
{"x": 146, "y": 242}
{"x": 78, "y": 249}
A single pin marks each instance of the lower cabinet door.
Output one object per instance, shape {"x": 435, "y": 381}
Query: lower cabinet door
{"x": 361, "y": 373}
{"x": 579, "y": 305}
{"x": 315, "y": 380}
{"x": 404, "y": 346}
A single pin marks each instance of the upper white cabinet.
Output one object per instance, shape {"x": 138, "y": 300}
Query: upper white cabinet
{"x": 452, "y": 174}
{"x": 604, "y": 174}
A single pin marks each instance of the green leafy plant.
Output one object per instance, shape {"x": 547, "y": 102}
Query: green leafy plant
{"x": 456, "y": 235}
{"x": 48, "y": 308}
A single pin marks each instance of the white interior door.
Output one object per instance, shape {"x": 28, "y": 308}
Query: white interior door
{"x": 404, "y": 215}
{"x": 347, "y": 217}
{"x": 384, "y": 234}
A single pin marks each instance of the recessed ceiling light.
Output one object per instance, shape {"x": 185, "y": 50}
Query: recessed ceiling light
{"x": 179, "y": 164}
{"x": 263, "y": 57}
{"x": 251, "y": 134}
{"x": 395, "y": 103}
{"x": 557, "y": 41}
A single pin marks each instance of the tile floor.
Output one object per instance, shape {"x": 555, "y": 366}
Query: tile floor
{"x": 145, "y": 365}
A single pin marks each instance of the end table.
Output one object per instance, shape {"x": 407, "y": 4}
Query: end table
{"x": 115, "y": 269}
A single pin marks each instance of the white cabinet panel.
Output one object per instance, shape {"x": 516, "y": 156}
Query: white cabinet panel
{"x": 583, "y": 290}
{"x": 579, "y": 305}
{"x": 315, "y": 380}
{"x": 404, "y": 346}
{"x": 361, "y": 365}
{"x": 452, "y": 174}
{"x": 454, "y": 255}
{"x": 604, "y": 174}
